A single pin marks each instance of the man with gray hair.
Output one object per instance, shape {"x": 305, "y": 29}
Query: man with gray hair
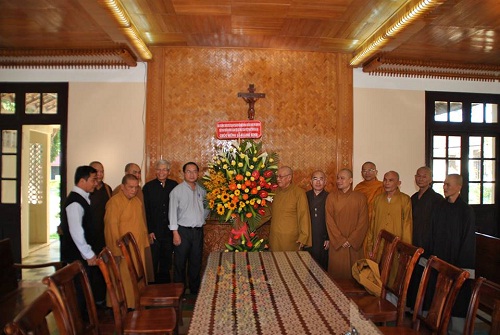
{"x": 156, "y": 199}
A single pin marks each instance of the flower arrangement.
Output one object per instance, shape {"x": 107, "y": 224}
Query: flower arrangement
{"x": 240, "y": 183}
{"x": 242, "y": 239}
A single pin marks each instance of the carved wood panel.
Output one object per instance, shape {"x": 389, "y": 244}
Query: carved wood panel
{"x": 306, "y": 115}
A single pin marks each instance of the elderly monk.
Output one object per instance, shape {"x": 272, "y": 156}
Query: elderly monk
{"x": 125, "y": 213}
{"x": 347, "y": 223}
{"x": 370, "y": 186}
{"x": 392, "y": 212}
{"x": 133, "y": 169}
{"x": 290, "y": 223}
{"x": 453, "y": 239}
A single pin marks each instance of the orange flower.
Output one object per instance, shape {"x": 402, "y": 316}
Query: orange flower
{"x": 249, "y": 215}
{"x": 239, "y": 177}
{"x": 232, "y": 186}
{"x": 245, "y": 196}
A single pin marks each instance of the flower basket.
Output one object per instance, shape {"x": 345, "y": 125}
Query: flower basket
{"x": 240, "y": 183}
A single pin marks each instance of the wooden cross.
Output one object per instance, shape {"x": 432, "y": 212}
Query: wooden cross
{"x": 250, "y": 98}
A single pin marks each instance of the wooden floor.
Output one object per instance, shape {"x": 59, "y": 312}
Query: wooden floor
{"x": 50, "y": 253}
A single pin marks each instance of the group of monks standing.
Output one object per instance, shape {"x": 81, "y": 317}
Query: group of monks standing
{"x": 345, "y": 222}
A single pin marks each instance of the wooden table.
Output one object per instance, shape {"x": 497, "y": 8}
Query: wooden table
{"x": 272, "y": 293}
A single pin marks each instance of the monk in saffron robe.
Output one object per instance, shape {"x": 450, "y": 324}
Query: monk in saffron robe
{"x": 347, "y": 223}
{"x": 392, "y": 212}
{"x": 370, "y": 186}
{"x": 290, "y": 223}
{"x": 125, "y": 213}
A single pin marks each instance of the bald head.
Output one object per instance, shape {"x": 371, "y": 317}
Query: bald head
{"x": 391, "y": 182}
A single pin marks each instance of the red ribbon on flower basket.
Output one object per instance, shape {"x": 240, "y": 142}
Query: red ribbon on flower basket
{"x": 242, "y": 239}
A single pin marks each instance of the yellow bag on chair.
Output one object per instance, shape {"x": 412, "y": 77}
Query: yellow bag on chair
{"x": 366, "y": 272}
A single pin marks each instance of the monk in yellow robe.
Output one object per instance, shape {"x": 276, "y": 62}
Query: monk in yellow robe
{"x": 392, "y": 212}
{"x": 125, "y": 213}
{"x": 290, "y": 224}
{"x": 347, "y": 223}
{"x": 370, "y": 186}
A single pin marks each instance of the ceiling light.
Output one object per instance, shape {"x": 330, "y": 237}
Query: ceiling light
{"x": 118, "y": 12}
{"x": 394, "y": 25}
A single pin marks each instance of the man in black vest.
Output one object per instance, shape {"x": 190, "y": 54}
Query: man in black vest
{"x": 77, "y": 238}
{"x": 76, "y": 219}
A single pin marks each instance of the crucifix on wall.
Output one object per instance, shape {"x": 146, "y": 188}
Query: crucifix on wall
{"x": 250, "y": 98}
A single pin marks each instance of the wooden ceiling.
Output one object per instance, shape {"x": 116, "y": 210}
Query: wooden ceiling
{"x": 455, "y": 34}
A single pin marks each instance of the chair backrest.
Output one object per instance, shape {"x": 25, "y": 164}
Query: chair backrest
{"x": 448, "y": 283}
{"x": 403, "y": 262}
{"x": 71, "y": 285}
{"x": 486, "y": 298}
{"x": 130, "y": 251}
{"x": 33, "y": 319}
{"x": 114, "y": 285}
{"x": 383, "y": 252}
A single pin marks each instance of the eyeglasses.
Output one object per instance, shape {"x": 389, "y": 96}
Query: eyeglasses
{"x": 368, "y": 170}
{"x": 283, "y": 176}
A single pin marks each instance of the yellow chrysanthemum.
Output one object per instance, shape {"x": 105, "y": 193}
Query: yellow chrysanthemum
{"x": 242, "y": 204}
{"x": 237, "y": 192}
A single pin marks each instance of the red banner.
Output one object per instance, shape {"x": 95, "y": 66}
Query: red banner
{"x": 230, "y": 130}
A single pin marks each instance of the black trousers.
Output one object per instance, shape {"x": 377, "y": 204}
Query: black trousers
{"x": 161, "y": 251}
{"x": 189, "y": 254}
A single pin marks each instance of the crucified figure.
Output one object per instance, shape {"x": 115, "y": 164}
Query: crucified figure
{"x": 250, "y": 98}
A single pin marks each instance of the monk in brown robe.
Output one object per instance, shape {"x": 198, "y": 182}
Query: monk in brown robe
{"x": 347, "y": 224}
{"x": 125, "y": 213}
{"x": 370, "y": 186}
{"x": 133, "y": 169}
{"x": 290, "y": 224}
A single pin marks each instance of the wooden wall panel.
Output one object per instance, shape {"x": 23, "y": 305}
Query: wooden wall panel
{"x": 307, "y": 114}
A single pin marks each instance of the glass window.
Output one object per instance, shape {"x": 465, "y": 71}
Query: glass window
{"x": 491, "y": 111}
{"x": 8, "y": 103}
{"x": 489, "y": 170}
{"x": 439, "y": 169}
{"x": 454, "y": 146}
{"x": 477, "y": 113}
{"x": 474, "y": 170}
{"x": 9, "y": 193}
{"x": 455, "y": 112}
{"x": 488, "y": 193}
{"x": 9, "y": 141}
{"x": 9, "y": 166}
{"x": 474, "y": 193}
{"x": 439, "y": 143}
{"x": 441, "y": 111}
{"x": 32, "y": 103}
{"x": 49, "y": 103}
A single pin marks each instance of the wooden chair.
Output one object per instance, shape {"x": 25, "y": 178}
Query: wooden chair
{"x": 486, "y": 298}
{"x": 15, "y": 295}
{"x": 67, "y": 284}
{"x": 449, "y": 281}
{"x": 33, "y": 319}
{"x": 402, "y": 263}
{"x": 382, "y": 253}
{"x": 158, "y": 295}
{"x": 152, "y": 321}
